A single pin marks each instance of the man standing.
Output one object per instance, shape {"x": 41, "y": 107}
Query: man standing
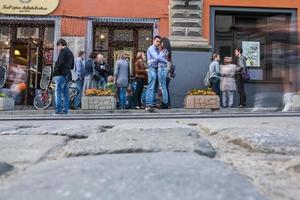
{"x": 80, "y": 73}
{"x": 153, "y": 58}
{"x": 241, "y": 66}
{"x": 62, "y": 76}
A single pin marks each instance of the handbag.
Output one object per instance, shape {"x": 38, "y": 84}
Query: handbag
{"x": 95, "y": 75}
{"x": 245, "y": 75}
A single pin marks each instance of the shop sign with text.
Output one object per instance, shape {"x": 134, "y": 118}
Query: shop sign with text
{"x": 28, "y": 7}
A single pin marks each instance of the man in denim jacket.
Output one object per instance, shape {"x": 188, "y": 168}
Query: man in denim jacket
{"x": 153, "y": 58}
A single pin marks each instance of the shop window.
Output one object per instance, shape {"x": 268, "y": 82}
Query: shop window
{"x": 5, "y": 37}
{"x": 123, "y": 35}
{"x": 49, "y": 37}
{"x": 145, "y": 39}
{"x": 48, "y": 45}
{"x": 101, "y": 38}
{"x": 263, "y": 38}
{"x": 27, "y": 32}
{"x": 112, "y": 38}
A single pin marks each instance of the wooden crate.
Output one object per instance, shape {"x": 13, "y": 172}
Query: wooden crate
{"x": 202, "y": 101}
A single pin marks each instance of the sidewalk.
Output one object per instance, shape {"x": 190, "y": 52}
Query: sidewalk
{"x": 29, "y": 110}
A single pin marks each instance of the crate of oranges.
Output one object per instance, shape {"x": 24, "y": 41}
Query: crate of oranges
{"x": 201, "y": 99}
{"x": 208, "y": 92}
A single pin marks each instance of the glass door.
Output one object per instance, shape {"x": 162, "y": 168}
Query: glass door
{"x": 33, "y": 67}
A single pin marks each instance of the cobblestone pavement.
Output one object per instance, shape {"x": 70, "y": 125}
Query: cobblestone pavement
{"x": 209, "y": 159}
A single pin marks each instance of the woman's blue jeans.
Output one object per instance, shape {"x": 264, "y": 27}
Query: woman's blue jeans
{"x": 162, "y": 79}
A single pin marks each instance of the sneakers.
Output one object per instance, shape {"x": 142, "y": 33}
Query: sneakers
{"x": 56, "y": 113}
{"x": 149, "y": 108}
{"x": 60, "y": 113}
{"x": 164, "y": 106}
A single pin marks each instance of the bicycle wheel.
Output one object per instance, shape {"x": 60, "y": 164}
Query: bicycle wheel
{"x": 42, "y": 101}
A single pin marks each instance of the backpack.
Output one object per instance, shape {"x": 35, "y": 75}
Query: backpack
{"x": 206, "y": 80}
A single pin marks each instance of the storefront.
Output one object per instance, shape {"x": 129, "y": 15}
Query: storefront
{"x": 266, "y": 36}
{"x": 266, "y": 30}
{"x": 111, "y": 39}
{"x": 29, "y": 30}
{"x": 27, "y": 44}
{"x": 196, "y": 28}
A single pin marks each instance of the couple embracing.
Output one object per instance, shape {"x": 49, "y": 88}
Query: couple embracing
{"x": 159, "y": 57}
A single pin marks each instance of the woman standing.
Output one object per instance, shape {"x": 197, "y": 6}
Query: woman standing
{"x": 162, "y": 73}
{"x": 89, "y": 81}
{"x": 140, "y": 78}
{"x": 228, "y": 86}
{"x": 170, "y": 66}
{"x": 80, "y": 74}
{"x": 214, "y": 71}
{"x": 121, "y": 78}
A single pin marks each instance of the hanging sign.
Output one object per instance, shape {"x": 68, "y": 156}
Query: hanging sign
{"x": 28, "y": 7}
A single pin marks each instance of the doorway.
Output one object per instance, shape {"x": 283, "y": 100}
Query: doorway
{"x": 25, "y": 68}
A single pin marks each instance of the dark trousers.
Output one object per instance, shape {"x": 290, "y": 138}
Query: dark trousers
{"x": 140, "y": 82}
{"x": 168, "y": 83}
{"x": 241, "y": 90}
{"x": 215, "y": 83}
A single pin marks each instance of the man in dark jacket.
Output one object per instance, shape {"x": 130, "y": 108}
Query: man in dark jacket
{"x": 62, "y": 76}
{"x": 241, "y": 66}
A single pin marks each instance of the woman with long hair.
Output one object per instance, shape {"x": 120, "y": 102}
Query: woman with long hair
{"x": 215, "y": 74}
{"x": 140, "y": 78}
{"x": 162, "y": 73}
{"x": 170, "y": 66}
{"x": 89, "y": 81}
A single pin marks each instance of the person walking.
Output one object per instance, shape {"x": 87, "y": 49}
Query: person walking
{"x": 80, "y": 74}
{"x": 121, "y": 78}
{"x": 153, "y": 57}
{"x": 241, "y": 67}
{"x": 62, "y": 76}
{"x": 227, "y": 86}
{"x": 214, "y": 71}
{"x": 140, "y": 78}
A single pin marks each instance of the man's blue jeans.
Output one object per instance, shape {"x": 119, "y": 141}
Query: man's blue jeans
{"x": 162, "y": 78}
{"x": 122, "y": 97}
{"x": 79, "y": 88}
{"x": 152, "y": 76}
{"x": 61, "y": 91}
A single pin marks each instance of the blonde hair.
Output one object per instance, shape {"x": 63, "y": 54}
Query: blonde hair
{"x": 110, "y": 78}
{"x": 139, "y": 55}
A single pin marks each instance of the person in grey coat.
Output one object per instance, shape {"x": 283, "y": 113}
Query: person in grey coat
{"x": 121, "y": 79}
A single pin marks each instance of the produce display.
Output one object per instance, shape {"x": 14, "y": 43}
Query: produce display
{"x": 208, "y": 92}
{"x": 2, "y": 95}
{"x": 98, "y": 92}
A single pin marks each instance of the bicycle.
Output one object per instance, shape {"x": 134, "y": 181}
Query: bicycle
{"x": 44, "y": 99}
{"x": 3, "y": 75}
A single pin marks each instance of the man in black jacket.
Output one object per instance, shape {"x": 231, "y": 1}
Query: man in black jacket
{"x": 62, "y": 76}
